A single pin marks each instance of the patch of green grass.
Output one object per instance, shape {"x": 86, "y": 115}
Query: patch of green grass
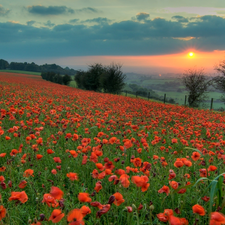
{"x": 73, "y": 83}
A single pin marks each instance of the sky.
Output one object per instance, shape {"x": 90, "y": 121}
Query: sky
{"x": 145, "y": 36}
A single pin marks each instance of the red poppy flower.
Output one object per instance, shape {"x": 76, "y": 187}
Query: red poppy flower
{"x": 56, "y": 193}
{"x": 21, "y": 196}
{"x": 84, "y": 197}
{"x": 56, "y": 215}
{"x": 2, "y": 212}
{"x": 198, "y": 209}
{"x": 119, "y": 199}
{"x": 164, "y": 189}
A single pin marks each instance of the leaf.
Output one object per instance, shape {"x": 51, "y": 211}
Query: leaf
{"x": 193, "y": 149}
{"x": 219, "y": 176}
{"x": 212, "y": 193}
{"x": 94, "y": 127}
{"x": 202, "y": 178}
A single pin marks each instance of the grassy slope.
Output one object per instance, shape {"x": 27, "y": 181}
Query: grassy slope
{"x": 21, "y": 71}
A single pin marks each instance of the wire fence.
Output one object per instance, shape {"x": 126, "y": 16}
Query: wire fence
{"x": 211, "y": 103}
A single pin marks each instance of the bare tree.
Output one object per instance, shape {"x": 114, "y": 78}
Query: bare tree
{"x": 219, "y": 81}
{"x": 197, "y": 84}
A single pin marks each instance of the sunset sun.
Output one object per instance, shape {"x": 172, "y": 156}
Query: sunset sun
{"x": 191, "y": 54}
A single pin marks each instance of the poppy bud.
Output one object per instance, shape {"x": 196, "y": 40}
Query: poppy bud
{"x": 116, "y": 182}
{"x": 42, "y": 217}
{"x": 140, "y": 206}
{"x": 111, "y": 199}
{"x": 151, "y": 207}
{"x": 122, "y": 162}
{"x": 10, "y": 183}
{"x": 3, "y": 185}
{"x": 61, "y": 203}
{"x": 218, "y": 209}
{"x": 134, "y": 206}
{"x": 177, "y": 211}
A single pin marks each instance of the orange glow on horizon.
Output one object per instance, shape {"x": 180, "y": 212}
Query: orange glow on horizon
{"x": 179, "y": 61}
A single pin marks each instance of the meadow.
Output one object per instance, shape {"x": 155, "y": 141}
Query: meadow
{"x": 69, "y": 156}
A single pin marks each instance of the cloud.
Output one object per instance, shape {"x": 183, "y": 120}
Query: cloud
{"x": 50, "y": 10}
{"x": 49, "y": 24}
{"x": 99, "y": 20}
{"x": 3, "y": 12}
{"x": 31, "y": 22}
{"x": 74, "y": 21}
{"x": 142, "y": 16}
{"x": 87, "y": 10}
{"x": 156, "y": 36}
{"x": 180, "y": 19}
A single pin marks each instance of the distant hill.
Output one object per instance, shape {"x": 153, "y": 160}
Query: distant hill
{"x": 4, "y": 65}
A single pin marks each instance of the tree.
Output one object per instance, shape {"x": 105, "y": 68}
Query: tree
{"x": 112, "y": 79}
{"x": 219, "y": 81}
{"x": 58, "y": 79}
{"x": 3, "y": 64}
{"x": 80, "y": 78}
{"x": 66, "y": 79}
{"x": 92, "y": 77}
{"x": 196, "y": 83}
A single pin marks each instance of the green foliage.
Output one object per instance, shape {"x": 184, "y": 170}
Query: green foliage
{"x": 24, "y": 66}
{"x": 110, "y": 78}
{"x": 58, "y": 79}
{"x": 197, "y": 84}
{"x": 66, "y": 79}
{"x": 3, "y": 64}
{"x": 92, "y": 77}
{"x": 113, "y": 79}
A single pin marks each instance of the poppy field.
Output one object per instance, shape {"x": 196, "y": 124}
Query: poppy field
{"x": 69, "y": 156}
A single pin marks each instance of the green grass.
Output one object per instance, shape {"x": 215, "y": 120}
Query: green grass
{"x": 73, "y": 84}
{"x": 21, "y": 71}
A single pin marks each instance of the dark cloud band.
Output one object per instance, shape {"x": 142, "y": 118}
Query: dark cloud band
{"x": 156, "y": 36}
{"x": 50, "y": 10}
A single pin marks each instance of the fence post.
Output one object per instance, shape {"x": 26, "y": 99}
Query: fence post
{"x": 164, "y": 98}
{"x": 185, "y": 101}
{"x": 211, "y": 106}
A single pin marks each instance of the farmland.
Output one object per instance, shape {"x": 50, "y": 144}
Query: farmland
{"x": 174, "y": 89}
{"x": 69, "y": 156}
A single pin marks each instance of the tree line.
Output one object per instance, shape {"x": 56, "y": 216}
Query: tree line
{"x": 35, "y": 68}
{"x": 108, "y": 79}
{"x": 56, "y": 78}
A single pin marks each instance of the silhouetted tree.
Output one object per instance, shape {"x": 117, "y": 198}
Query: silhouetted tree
{"x": 196, "y": 83}
{"x": 58, "y": 79}
{"x": 92, "y": 77}
{"x": 80, "y": 78}
{"x": 219, "y": 81}
{"x": 112, "y": 79}
{"x": 66, "y": 79}
{"x": 3, "y": 64}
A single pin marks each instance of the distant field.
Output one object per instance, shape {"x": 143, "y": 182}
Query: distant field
{"x": 22, "y": 72}
{"x": 179, "y": 97}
